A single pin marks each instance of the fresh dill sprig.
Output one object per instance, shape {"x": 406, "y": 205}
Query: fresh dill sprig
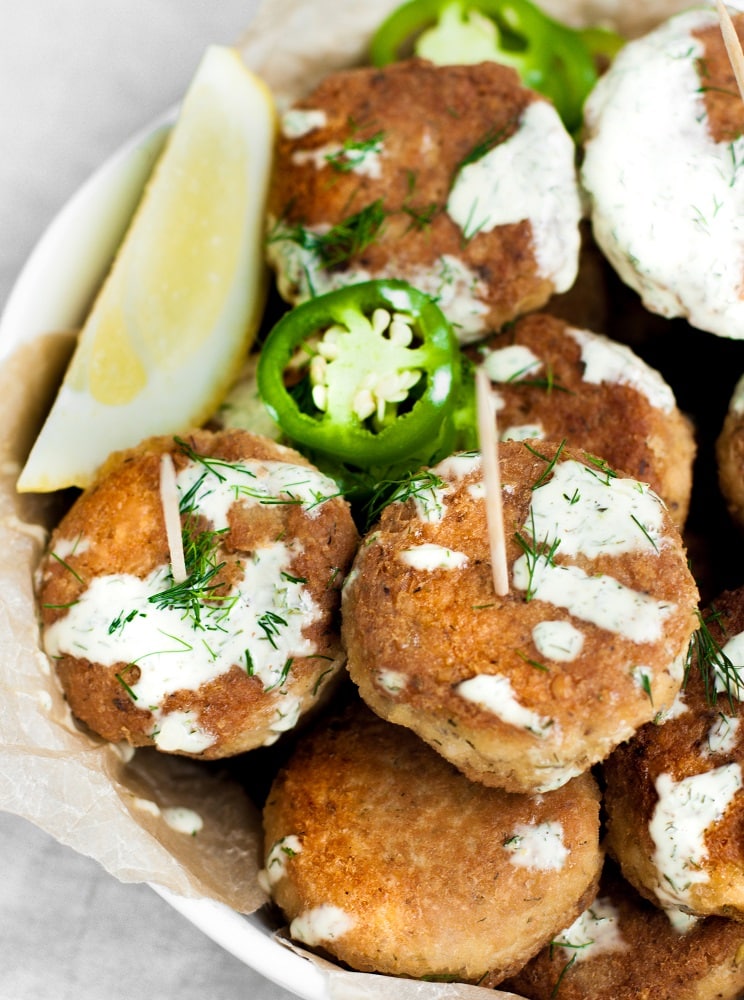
{"x": 211, "y": 464}
{"x": 533, "y": 663}
{"x": 551, "y": 462}
{"x": 353, "y": 152}
{"x": 270, "y": 622}
{"x": 549, "y": 383}
{"x": 341, "y": 242}
{"x": 705, "y": 652}
{"x": 534, "y": 552}
{"x": 492, "y": 138}
{"x": 599, "y": 465}
{"x": 199, "y": 590}
{"x": 69, "y": 568}
{"x": 421, "y": 485}
{"x": 645, "y": 530}
{"x": 421, "y": 216}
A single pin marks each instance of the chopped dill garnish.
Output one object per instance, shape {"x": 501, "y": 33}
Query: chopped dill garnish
{"x": 420, "y": 485}
{"x": 121, "y": 620}
{"x": 341, "y": 242}
{"x": 421, "y": 216}
{"x": 534, "y": 552}
{"x": 250, "y": 667}
{"x": 549, "y": 382}
{"x": 601, "y": 466}
{"x": 551, "y": 462}
{"x": 270, "y": 622}
{"x": 213, "y": 465}
{"x": 645, "y": 530}
{"x": 559, "y": 980}
{"x": 69, "y": 568}
{"x": 120, "y": 679}
{"x": 493, "y": 138}
{"x": 292, "y": 579}
{"x": 533, "y": 663}
{"x": 353, "y": 151}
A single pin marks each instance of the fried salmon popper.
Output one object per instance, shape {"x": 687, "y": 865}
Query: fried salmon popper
{"x": 552, "y": 380}
{"x": 675, "y": 794}
{"x": 526, "y": 690}
{"x": 232, "y": 651}
{"x": 662, "y": 169}
{"x": 456, "y": 179}
{"x": 623, "y": 948}
{"x": 382, "y": 853}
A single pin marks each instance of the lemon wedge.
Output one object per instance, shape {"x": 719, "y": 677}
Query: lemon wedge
{"x": 183, "y": 300}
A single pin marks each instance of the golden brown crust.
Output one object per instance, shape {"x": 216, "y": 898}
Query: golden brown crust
{"x": 431, "y": 630}
{"x": 694, "y": 742}
{"x": 413, "y": 854}
{"x": 656, "y": 445}
{"x": 652, "y": 961}
{"x": 730, "y": 459}
{"x": 723, "y": 104}
{"x": 117, "y": 527}
{"x": 431, "y": 117}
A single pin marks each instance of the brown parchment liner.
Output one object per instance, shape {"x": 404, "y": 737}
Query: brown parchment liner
{"x": 88, "y": 794}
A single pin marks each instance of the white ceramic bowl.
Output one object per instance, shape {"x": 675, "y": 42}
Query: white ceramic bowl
{"x": 53, "y": 292}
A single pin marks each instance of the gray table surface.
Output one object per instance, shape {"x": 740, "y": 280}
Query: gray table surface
{"x": 77, "y": 77}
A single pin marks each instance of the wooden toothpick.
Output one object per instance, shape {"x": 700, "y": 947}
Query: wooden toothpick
{"x": 489, "y": 448}
{"x": 172, "y": 516}
{"x": 733, "y": 45}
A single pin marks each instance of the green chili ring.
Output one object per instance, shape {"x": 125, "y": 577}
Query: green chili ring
{"x": 426, "y": 371}
{"x": 548, "y": 56}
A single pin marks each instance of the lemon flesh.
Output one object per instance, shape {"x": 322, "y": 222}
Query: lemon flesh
{"x": 183, "y": 300}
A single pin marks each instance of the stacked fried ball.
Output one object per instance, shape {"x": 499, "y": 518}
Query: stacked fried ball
{"x": 441, "y": 816}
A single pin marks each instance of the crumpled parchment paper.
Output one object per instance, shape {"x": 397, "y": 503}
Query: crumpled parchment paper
{"x": 94, "y": 797}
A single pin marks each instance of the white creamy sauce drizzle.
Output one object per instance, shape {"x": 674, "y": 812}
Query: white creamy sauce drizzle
{"x": 723, "y": 734}
{"x": 392, "y": 681}
{"x": 523, "y": 432}
{"x": 180, "y": 731}
{"x": 529, "y": 176}
{"x": 685, "y": 810}
{"x": 593, "y": 515}
{"x": 558, "y": 640}
{"x": 733, "y": 652}
{"x": 495, "y": 694}
{"x": 458, "y": 291}
{"x": 677, "y": 708}
{"x": 365, "y": 162}
{"x": 183, "y": 820}
{"x": 537, "y": 846}
{"x": 736, "y": 403}
{"x": 430, "y": 557}
{"x": 64, "y": 547}
{"x": 642, "y": 677}
{"x": 429, "y": 502}
{"x": 510, "y": 364}
{"x": 681, "y": 922}
{"x": 677, "y": 237}
{"x": 595, "y": 932}
{"x": 297, "y": 122}
{"x": 115, "y": 622}
{"x": 601, "y": 600}
{"x": 322, "y": 923}
{"x": 281, "y": 852}
{"x": 610, "y": 362}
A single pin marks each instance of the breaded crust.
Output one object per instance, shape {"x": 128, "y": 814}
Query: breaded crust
{"x": 730, "y": 456}
{"x": 624, "y": 948}
{"x": 685, "y": 778}
{"x": 597, "y": 394}
{"x": 673, "y": 235}
{"x": 395, "y": 140}
{"x": 384, "y": 855}
{"x": 115, "y": 535}
{"x": 526, "y": 690}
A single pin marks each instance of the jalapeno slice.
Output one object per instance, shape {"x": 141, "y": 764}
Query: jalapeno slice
{"x": 367, "y": 375}
{"x": 549, "y": 57}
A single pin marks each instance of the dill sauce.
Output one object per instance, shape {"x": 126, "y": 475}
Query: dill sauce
{"x": 116, "y": 621}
